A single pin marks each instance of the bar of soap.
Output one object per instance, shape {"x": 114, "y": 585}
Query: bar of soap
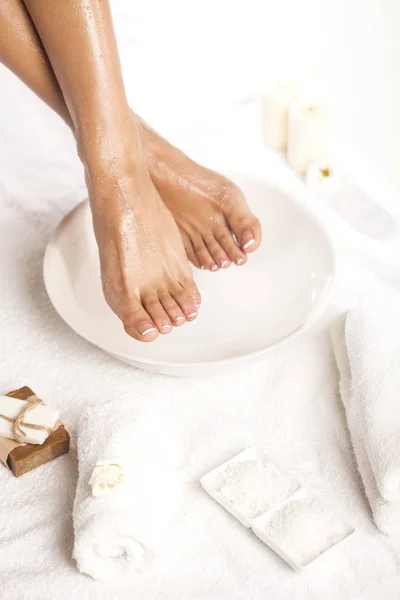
{"x": 39, "y": 415}
{"x": 29, "y": 456}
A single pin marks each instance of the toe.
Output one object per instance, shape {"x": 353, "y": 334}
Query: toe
{"x": 139, "y": 325}
{"x": 193, "y": 291}
{"x": 217, "y": 252}
{"x": 247, "y": 230}
{"x": 204, "y": 257}
{"x": 190, "y": 251}
{"x": 185, "y": 301}
{"x": 173, "y": 310}
{"x": 159, "y": 316}
{"x": 244, "y": 225}
{"x": 227, "y": 242}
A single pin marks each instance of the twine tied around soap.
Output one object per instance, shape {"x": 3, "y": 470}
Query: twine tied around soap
{"x": 19, "y": 435}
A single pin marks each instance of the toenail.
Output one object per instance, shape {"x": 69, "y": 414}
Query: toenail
{"x": 240, "y": 260}
{"x": 166, "y": 326}
{"x": 214, "y": 268}
{"x": 149, "y": 330}
{"x": 248, "y": 244}
{"x": 224, "y": 264}
{"x": 193, "y": 314}
{"x": 179, "y": 318}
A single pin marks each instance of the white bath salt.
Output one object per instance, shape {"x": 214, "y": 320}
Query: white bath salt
{"x": 303, "y": 529}
{"x": 254, "y": 486}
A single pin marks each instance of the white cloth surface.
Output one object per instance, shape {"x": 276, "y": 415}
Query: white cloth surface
{"x": 118, "y": 534}
{"x": 286, "y": 402}
{"x": 386, "y": 514}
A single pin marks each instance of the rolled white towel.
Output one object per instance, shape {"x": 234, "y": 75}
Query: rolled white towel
{"x": 128, "y": 487}
{"x": 385, "y": 514}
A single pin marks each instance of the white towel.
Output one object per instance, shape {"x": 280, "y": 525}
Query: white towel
{"x": 116, "y": 534}
{"x": 373, "y": 342}
{"x": 386, "y": 514}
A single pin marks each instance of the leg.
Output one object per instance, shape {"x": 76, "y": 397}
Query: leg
{"x": 207, "y": 207}
{"x": 22, "y": 52}
{"x": 146, "y": 277}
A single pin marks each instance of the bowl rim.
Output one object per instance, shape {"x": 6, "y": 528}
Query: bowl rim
{"x": 313, "y": 316}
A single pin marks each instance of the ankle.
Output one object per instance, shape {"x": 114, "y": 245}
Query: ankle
{"x": 107, "y": 148}
{"x": 159, "y": 153}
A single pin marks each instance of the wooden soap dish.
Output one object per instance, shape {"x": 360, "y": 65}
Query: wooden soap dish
{"x": 23, "y": 459}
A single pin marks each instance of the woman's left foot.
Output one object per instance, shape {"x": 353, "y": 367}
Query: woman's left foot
{"x": 212, "y": 214}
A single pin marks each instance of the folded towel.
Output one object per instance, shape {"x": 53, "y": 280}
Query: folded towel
{"x": 385, "y": 514}
{"x": 373, "y": 343}
{"x": 128, "y": 457}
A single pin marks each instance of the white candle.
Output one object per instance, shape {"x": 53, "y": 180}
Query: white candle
{"x": 308, "y": 137}
{"x": 275, "y": 105}
{"x": 40, "y": 415}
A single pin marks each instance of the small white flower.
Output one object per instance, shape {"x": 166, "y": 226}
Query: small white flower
{"x": 106, "y": 477}
{"x": 322, "y": 178}
{"x": 318, "y": 174}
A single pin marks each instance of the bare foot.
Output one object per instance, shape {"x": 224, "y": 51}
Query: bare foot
{"x": 147, "y": 280}
{"x": 212, "y": 214}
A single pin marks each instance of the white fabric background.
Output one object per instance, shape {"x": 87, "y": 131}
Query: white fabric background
{"x": 215, "y": 57}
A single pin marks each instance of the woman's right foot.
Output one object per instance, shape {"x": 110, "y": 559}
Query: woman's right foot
{"x": 147, "y": 280}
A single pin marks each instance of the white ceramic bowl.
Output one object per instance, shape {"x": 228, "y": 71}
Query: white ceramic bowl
{"x": 246, "y": 311}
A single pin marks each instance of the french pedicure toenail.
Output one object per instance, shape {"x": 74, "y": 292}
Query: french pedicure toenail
{"x": 179, "y": 319}
{"x": 240, "y": 260}
{"x": 148, "y": 330}
{"x": 224, "y": 264}
{"x": 248, "y": 244}
{"x": 214, "y": 268}
{"x": 191, "y": 315}
{"x": 166, "y": 326}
